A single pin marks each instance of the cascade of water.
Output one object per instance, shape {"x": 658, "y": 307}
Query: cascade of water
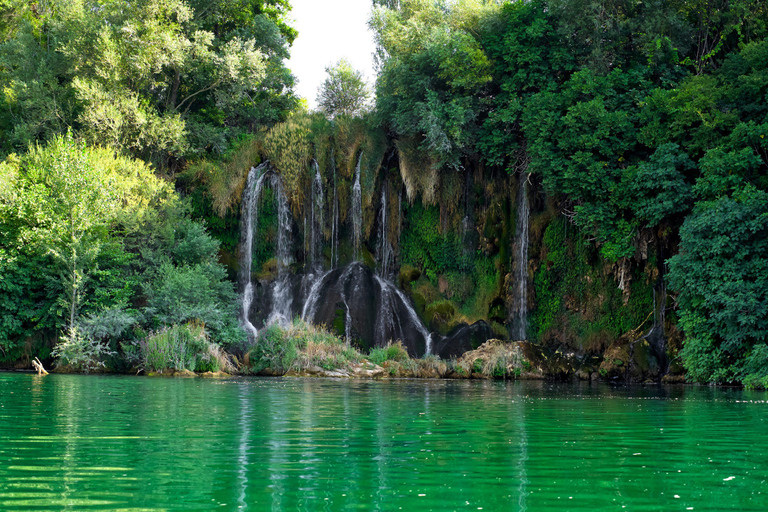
{"x": 384, "y": 249}
{"x": 347, "y": 325}
{"x": 253, "y": 187}
{"x": 316, "y": 221}
{"x": 387, "y": 314}
{"x": 310, "y": 305}
{"x": 357, "y": 209}
{"x": 335, "y": 223}
{"x": 386, "y": 317}
{"x": 281, "y": 292}
{"x": 307, "y": 242}
{"x": 521, "y": 272}
{"x": 335, "y": 226}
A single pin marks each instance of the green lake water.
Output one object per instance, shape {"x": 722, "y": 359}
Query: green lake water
{"x": 71, "y": 442}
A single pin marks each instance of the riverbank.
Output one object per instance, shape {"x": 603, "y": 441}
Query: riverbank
{"x": 305, "y": 350}
{"x": 300, "y": 349}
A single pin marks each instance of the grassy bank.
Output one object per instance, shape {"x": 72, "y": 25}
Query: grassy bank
{"x": 307, "y": 350}
{"x": 304, "y": 350}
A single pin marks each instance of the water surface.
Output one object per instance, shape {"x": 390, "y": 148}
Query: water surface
{"x": 70, "y": 442}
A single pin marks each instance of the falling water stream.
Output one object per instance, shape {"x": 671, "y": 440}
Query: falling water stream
{"x": 357, "y": 209}
{"x": 384, "y": 251}
{"x": 316, "y": 221}
{"x": 281, "y": 292}
{"x": 254, "y": 184}
{"x": 520, "y": 312}
{"x": 394, "y": 310}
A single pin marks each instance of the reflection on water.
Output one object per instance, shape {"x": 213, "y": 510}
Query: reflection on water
{"x": 131, "y": 443}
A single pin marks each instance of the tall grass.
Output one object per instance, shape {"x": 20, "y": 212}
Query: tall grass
{"x": 300, "y": 346}
{"x": 182, "y": 347}
{"x": 390, "y": 352}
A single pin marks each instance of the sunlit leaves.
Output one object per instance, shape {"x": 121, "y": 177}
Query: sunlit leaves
{"x": 343, "y": 91}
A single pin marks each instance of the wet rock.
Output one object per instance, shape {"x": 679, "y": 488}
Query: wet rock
{"x": 461, "y": 339}
{"x": 407, "y": 275}
{"x": 364, "y": 370}
{"x": 214, "y": 375}
{"x": 634, "y": 361}
{"x": 615, "y": 362}
{"x": 373, "y": 311}
{"x": 497, "y": 359}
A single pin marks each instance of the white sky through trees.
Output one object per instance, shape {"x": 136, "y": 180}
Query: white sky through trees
{"x": 329, "y": 30}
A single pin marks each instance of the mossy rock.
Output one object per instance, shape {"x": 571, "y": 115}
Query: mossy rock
{"x": 440, "y": 315}
{"x": 645, "y": 364}
{"x": 268, "y": 270}
{"x": 641, "y": 355}
{"x": 497, "y": 311}
{"x": 368, "y": 259}
{"x": 407, "y": 275}
{"x": 635, "y": 361}
{"x": 339, "y": 319}
{"x": 419, "y": 302}
{"x": 615, "y": 362}
{"x": 499, "y": 330}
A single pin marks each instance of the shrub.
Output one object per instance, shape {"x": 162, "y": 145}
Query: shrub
{"x": 80, "y": 351}
{"x": 390, "y": 352}
{"x": 180, "y": 347}
{"x": 273, "y": 350}
{"x": 300, "y": 346}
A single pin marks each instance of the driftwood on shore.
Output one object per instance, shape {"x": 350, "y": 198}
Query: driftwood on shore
{"x": 39, "y": 367}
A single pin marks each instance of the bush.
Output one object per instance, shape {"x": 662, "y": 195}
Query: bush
{"x": 180, "y": 347}
{"x": 80, "y": 351}
{"x": 391, "y": 352}
{"x": 300, "y": 346}
{"x": 273, "y": 350}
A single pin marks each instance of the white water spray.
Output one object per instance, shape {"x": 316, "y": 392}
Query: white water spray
{"x": 384, "y": 250}
{"x": 520, "y": 311}
{"x": 387, "y": 314}
{"x": 281, "y": 293}
{"x": 357, "y": 209}
{"x": 316, "y": 220}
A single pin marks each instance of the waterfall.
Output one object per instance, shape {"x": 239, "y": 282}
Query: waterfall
{"x": 347, "y": 325}
{"x": 316, "y": 219}
{"x": 310, "y": 305}
{"x": 387, "y": 314}
{"x": 520, "y": 311}
{"x": 254, "y": 184}
{"x": 281, "y": 291}
{"x": 335, "y": 222}
{"x": 384, "y": 249}
{"x": 357, "y": 209}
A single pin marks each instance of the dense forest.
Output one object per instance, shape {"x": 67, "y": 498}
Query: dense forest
{"x": 634, "y": 133}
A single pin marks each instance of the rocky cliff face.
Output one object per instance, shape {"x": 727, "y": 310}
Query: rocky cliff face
{"x": 493, "y": 257}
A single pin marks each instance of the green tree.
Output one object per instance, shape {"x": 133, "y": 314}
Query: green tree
{"x": 78, "y": 203}
{"x": 344, "y": 91}
{"x": 159, "y": 80}
{"x": 59, "y": 205}
{"x": 721, "y": 276}
{"x": 433, "y": 72}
